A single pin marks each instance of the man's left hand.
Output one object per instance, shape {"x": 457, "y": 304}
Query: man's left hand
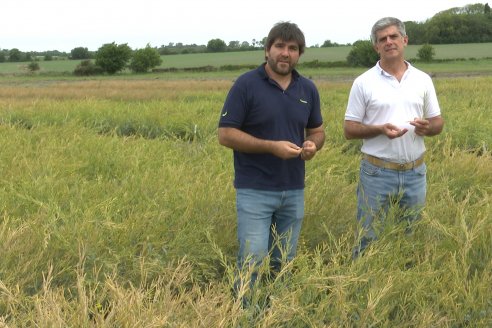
{"x": 308, "y": 150}
{"x": 422, "y": 126}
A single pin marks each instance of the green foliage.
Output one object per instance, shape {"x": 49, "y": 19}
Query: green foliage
{"x": 33, "y": 66}
{"x": 15, "y": 55}
{"x": 145, "y": 59}
{"x": 216, "y": 45}
{"x": 113, "y": 58}
{"x": 328, "y": 44}
{"x": 234, "y": 45}
{"x": 426, "y": 53}
{"x": 416, "y": 32}
{"x": 468, "y": 24}
{"x": 179, "y": 48}
{"x": 80, "y": 53}
{"x": 362, "y": 54}
{"x": 86, "y": 68}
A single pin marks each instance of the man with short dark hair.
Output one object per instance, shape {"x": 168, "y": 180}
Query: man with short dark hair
{"x": 272, "y": 121}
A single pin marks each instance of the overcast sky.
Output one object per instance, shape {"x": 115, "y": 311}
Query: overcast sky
{"x": 40, "y": 25}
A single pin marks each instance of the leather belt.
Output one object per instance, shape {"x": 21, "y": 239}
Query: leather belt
{"x": 392, "y": 165}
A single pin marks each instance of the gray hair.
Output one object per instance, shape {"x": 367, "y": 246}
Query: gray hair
{"x": 384, "y": 23}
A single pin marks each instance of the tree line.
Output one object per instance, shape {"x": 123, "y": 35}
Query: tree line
{"x": 468, "y": 24}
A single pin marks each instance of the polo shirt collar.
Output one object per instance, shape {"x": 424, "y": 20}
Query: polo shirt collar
{"x": 383, "y": 72}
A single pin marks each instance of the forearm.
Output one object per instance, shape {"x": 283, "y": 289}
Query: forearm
{"x": 241, "y": 141}
{"x": 357, "y": 130}
{"x": 314, "y": 141}
{"x": 317, "y": 136}
{"x": 428, "y": 127}
{"x": 436, "y": 126}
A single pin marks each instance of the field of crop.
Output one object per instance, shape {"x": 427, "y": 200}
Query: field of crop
{"x": 117, "y": 210}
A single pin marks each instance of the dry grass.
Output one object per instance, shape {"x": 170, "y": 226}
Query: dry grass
{"x": 104, "y": 224}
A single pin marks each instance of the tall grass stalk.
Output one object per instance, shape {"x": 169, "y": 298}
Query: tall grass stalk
{"x": 117, "y": 210}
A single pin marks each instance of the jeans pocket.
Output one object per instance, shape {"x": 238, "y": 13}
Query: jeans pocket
{"x": 369, "y": 169}
{"x": 421, "y": 170}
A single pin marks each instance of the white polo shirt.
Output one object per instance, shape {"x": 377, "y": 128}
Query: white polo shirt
{"x": 377, "y": 98}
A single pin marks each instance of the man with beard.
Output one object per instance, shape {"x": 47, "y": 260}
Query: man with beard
{"x": 272, "y": 120}
{"x": 392, "y": 107}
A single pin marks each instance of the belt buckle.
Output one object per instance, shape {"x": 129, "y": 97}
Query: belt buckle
{"x": 402, "y": 166}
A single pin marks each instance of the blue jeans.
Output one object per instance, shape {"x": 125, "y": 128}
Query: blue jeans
{"x": 268, "y": 221}
{"x": 379, "y": 188}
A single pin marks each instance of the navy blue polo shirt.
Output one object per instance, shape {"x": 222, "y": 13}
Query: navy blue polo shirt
{"x": 258, "y": 106}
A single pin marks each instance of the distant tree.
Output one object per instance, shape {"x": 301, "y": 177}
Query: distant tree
{"x": 33, "y": 66}
{"x": 86, "y": 68}
{"x": 466, "y": 24}
{"x": 328, "y": 44}
{"x": 15, "y": 55}
{"x": 474, "y": 9}
{"x": 426, "y": 53}
{"x": 362, "y": 54}
{"x": 180, "y": 48}
{"x": 113, "y": 58}
{"x": 80, "y": 53}
{"x": 233, "y": 45}
{"x": 145, "y": 59}
{"x": 28, "y": 57}
{"x": 263, "y": 42}
{"x": 2, "y": 57}
{"x": 216, "y": 45}
{"x": 416, "y": 32}
{"x": 469, "y": 24}
{"x": 245, "y": 45}
{"x": 48, "y": 57}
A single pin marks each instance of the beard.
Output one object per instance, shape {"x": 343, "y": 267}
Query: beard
{"x": 280, "y": 68}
